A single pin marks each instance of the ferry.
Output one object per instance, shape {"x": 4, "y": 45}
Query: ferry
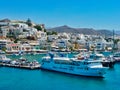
{"x": 73, "y": 66}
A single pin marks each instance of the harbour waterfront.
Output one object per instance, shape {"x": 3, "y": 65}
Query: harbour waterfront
{"x": 22, "y": 79}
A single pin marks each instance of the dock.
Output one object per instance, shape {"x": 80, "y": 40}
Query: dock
{"x": 20, "y": 63}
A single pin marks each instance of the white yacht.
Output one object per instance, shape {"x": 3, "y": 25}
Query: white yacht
{"x": 73, "y": 66}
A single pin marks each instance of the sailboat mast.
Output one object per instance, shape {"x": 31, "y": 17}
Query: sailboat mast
{"x": 113, "y": 42}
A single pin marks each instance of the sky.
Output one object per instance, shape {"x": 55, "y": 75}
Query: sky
{"x": 97, "y": 14}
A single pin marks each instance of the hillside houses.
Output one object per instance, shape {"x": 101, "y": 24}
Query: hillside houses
{"x": 19, "y": 36}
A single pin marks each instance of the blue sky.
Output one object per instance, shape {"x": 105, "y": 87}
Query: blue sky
{"x": 98, "y": 14}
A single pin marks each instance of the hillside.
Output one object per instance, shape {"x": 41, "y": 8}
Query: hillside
{"x": 5, "y": 20}
{"x": 87, "y": 31}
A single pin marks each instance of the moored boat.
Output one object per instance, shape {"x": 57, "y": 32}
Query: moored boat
{"x": 3, "y": 59}
{"x": 73, "y": 66}
{"x": 19, "y": 63}
{"x": 116, "y": 56}
{"x": 106, "y": 61}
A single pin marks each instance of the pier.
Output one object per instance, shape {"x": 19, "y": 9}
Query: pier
{"x": 20, "y": 66}
{"x": 20, "y": 63}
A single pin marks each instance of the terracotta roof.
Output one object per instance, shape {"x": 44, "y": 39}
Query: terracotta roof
{"x": 13, "y": 44}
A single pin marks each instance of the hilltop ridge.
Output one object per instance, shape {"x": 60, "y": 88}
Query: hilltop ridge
{"x": 88, "y": 31}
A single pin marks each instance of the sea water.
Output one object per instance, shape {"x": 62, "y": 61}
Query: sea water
{"x": 22, "y": 79}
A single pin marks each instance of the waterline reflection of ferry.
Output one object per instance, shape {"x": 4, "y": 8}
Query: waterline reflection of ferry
{"x": 73, "y": 66}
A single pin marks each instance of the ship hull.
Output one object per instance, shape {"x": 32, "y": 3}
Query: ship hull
{"x": 93, "y": 72}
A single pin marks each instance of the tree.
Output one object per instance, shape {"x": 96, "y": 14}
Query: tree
{"x": 53, "y": 32}
{"x": 38, "y": 27}
{"x": 71, "y": 48}
{"x": 24, "y": 30}
{"x": 49, "y": 33}
{"x": 16, "y": 40}
{"x": 4, "y": 49}
{"x": 45, "y": 30}
{"x": 116, "y": 41}
{"x": 78, "y": 38}
{"x": 44, "y": 48}
{"x": 29, "y": 22}
{"x": 31, "y": 38}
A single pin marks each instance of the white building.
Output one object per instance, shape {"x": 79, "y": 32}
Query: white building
{"x": 3, "y": 43}
{"x": 52, "y": 37}
{"x": 4, "y": 31}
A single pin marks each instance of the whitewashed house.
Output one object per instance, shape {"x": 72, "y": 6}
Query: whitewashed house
{"x": 3, "y": 43}
{"x": 4, "y": 31}
{"x": 52, "y": 37}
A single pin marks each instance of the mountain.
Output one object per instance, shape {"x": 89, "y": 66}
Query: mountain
{"x": 117, "y": 32}
{"x": 105, "y": 32}
{"x": 63, "y": 29}
{"x": 87, "y": 31}
{"x": 5, "y": 20}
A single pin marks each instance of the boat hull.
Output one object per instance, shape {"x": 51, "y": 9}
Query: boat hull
{"x": 93, "y": 72}
{"x": 117, "y": 59}
{"x": 108, "y": 64}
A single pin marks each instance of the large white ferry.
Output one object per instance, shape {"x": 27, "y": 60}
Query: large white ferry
{"x": 73, "y": 66}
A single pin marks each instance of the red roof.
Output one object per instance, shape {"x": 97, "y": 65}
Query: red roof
{"x": 13, "y": 44}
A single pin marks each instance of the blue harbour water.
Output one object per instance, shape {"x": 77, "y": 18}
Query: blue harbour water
{"x": 22, "y": 79}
